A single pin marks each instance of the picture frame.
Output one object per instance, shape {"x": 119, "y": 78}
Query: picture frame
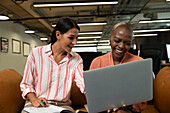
{"x": 4, "y": 44}
{"x": 26, "y": 49}
{"x": 16, "y": 46}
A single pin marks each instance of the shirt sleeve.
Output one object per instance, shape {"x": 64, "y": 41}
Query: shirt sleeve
{"x": 27, "y": 82}
{"x": 79, "y": 75}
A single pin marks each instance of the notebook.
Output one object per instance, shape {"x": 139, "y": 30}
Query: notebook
{"x": 114, "y": 86}
{"x": 49, "y": 109}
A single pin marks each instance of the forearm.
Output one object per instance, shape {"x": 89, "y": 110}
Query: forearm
{"x": 36, "y": 102}
{"x": 31, "y": 96}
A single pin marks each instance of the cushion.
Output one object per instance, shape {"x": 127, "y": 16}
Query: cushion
{"x": 162, "y": 90}
{"x": 10, "y": 96}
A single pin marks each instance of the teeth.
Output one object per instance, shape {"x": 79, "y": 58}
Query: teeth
{"x": 119, "y": 51}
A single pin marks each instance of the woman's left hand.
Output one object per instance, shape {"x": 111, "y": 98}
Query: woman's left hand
{"x": 139, "y": 106}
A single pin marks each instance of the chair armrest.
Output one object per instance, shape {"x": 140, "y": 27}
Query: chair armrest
{"x": 150, "y": 109}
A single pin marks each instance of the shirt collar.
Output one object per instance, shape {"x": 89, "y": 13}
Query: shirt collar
{"x": 72, "y": 53}
{"x": 125, "y": 55}
{"x": 48, "y": 50}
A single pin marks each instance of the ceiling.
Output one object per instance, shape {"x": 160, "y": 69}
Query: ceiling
{"x": 41, "y": 19}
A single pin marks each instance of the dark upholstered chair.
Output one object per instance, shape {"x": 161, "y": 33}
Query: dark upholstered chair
{"x": 156, "y": 55}
{"x": 88, "y": 58}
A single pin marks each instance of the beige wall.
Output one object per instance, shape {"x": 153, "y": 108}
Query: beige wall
{"x": 11, "y": 60}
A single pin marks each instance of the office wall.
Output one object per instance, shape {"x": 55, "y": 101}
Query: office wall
{"x": 11, "y": 60}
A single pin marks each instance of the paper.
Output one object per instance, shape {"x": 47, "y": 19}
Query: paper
{"x": 86, "y": 107}
{"x": 49, "y": 109}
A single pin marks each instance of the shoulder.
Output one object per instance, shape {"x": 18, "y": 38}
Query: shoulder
{"x": 99, "y": 58}
{"x": 40, "y": 48}
{"x": 76, "y": 56}
{"x": 132, "y": 57}
{"x": 102, "y": 57}
{"x": 98, "y": 61}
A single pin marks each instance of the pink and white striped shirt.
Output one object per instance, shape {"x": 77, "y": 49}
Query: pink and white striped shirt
{"x": 51, "y": 80}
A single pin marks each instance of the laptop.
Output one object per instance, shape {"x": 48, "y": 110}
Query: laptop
{"x": 114, "y": 86}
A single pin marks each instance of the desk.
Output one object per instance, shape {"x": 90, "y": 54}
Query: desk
{"x": 165, "y": 64}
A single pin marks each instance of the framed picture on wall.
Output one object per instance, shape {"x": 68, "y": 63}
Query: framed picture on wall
{"x": 26, "y": 48}
{"x": 4, "y": 44}
{"x": 16, "y": 46}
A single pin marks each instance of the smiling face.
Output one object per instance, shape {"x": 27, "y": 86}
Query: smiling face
{"x": 120, "y": 41}
{"x": 68, "y": 39}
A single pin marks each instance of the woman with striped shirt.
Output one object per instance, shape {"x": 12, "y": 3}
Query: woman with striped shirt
{"x": 51, "y": 69}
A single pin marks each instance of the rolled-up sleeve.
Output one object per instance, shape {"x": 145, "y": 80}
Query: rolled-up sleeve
{"x": 26, "y": 84}
{"x": 79, "y": 76}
